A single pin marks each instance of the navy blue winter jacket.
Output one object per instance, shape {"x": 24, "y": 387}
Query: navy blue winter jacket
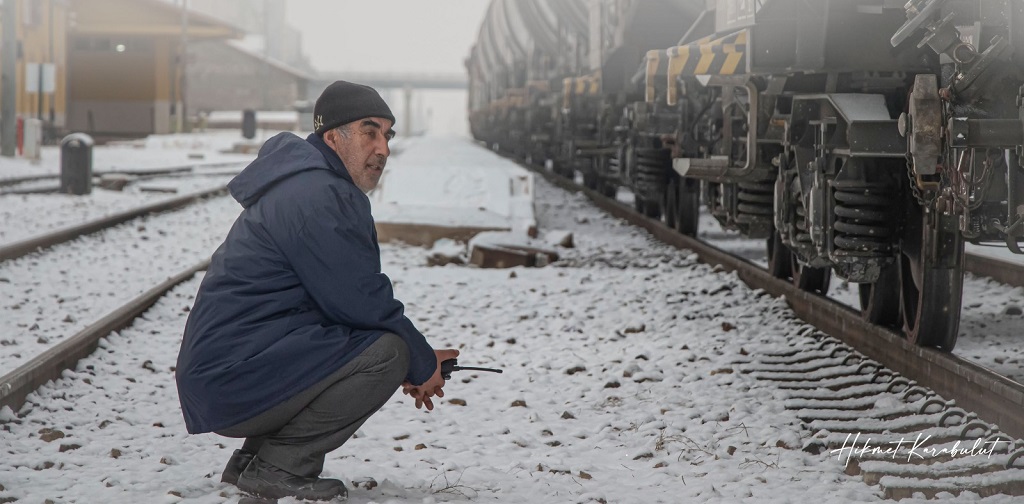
{"x": 293, "y": 293}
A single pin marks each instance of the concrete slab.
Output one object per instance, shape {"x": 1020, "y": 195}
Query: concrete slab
{"x": 450, "y": 187}
{"x": 426, "y": 234}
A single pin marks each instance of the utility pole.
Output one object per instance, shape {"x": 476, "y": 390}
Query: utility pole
{"x": 8, "y": 68}
{"x": 407, "y": 92}
{"x": 265, "y": 68}
{"x": 182, "y": 65}
{"x": 53, "y": 61}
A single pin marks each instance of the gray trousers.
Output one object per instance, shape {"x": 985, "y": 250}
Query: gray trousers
{"x": 297, "y": 434}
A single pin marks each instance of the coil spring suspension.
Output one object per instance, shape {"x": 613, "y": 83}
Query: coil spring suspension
{"x": 616, "y": 163}
{"x": 756, "y": 201}
{"x": 864, "y": 217}
{"x": 802, "y": 235}
{"x": 652, "y": 170}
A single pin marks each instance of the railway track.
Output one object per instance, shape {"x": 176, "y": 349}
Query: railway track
{"x": 48, "y": 365}
{"x": 16, "y": 385}
{"x": 185, "y": 169}
{"x": 896, "y": 434}
{"x": 162, "y": 228}
{"x": 996, "y": 269}
{"x": 959, "y": 400}
{"x": 27, "y": 246}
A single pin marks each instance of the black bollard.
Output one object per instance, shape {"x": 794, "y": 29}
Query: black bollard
{"x": 76, "y": 164}
{"x": 249, "y": 124}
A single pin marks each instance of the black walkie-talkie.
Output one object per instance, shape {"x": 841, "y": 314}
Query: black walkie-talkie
{"x": 453, "y": 365}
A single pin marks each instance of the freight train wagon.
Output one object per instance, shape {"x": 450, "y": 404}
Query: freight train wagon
{"x": 866, "y": 139}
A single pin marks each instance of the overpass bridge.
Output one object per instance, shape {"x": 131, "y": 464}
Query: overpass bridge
{"x": 394, "y": 80}
{"x": 408, "y": 83}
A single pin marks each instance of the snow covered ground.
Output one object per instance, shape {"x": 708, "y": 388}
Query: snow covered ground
{"x": 621, "y": 381}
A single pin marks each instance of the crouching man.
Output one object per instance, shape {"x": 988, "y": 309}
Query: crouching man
{"x": 296, "y": 338}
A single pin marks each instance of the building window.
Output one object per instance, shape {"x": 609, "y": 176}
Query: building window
{"x": 101, "y": 44}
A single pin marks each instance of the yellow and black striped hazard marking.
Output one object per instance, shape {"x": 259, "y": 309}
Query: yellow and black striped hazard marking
{"x": 722, "y": 56}
{"x": 657, "y": 69}
{"x": 588, "y": 85}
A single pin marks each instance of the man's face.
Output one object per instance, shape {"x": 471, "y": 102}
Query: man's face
{"x": 365, "y": 151}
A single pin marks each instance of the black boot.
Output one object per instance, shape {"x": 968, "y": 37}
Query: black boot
{"x": 264, "y": 480}
{"x": 236, "y": 464}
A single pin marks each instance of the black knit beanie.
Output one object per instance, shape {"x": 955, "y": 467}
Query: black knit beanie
{"x": 343, "y": 102}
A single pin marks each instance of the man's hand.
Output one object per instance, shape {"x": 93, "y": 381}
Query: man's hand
{"x": 432, "y": 387}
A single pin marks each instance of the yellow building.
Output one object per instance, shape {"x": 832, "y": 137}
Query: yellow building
{"x": 41, "y": 67}
{"x": 113, "y": 66}
{"x": 124, "y": 69}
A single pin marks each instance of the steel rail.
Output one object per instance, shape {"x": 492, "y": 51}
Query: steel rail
{"x": 49, "y": 365}
{"x": 187, "y": 169}
{"x": 28, "y": 178}
{"x": 27, "y": 246}
{"x": 995, "y": 398}
{"x": 997, "y": 269}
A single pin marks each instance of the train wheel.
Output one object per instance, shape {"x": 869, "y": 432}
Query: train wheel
{"x": 810, "y": 279}
{"x": 687, "y": 208}
{"x": 880, "y": 301}
{"x": 609, "y": 189}
{"x": 671, "y": 202}
{"x": 930, "y": 284}
{"x": 780, "y": 259}
{"x": 649, "y": 208}
{"x": 591, "y": 180}
{"x": 564, "y": 171}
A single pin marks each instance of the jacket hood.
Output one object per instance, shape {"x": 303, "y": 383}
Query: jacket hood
{"x": 282, "y": 156}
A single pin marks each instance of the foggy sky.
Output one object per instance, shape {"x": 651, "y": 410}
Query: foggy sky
{"x": 426, "y": 36}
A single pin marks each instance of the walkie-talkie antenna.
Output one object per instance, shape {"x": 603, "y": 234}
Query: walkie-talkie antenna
{"x": 450, "y": 365}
